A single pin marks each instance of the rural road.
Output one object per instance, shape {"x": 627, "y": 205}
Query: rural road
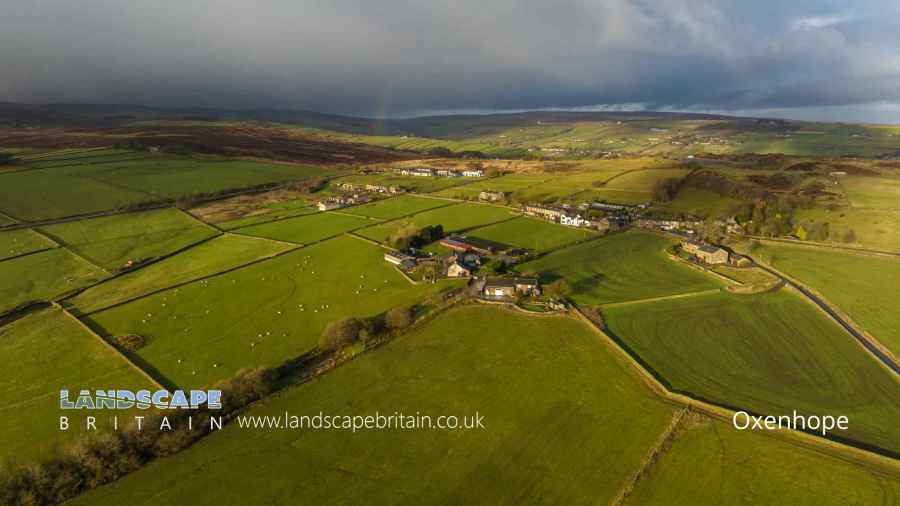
{"x": 875, "y": 350}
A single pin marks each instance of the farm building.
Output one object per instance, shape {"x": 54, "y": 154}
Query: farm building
{"x": 458, "y": 270}
{"x": 510, "y": 287}
{"x": 328, "y": 205}
{"x": 460, "y": 243}
{"x": 706, "y": 253}
{"x": 473, "y": 173}
{"x": 490, "y": 196}
{"x": 401, "y": 260}
{"x": 447, "y": 173}
{"x": 544, "y": 212}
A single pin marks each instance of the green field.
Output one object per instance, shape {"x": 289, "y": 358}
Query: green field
{"x": 19, "y": 242}
{"x": 272, "y": 212}
{"x": 701, "y": 202}
{"x": 532, "y": 233}
{"x": 396, "y": 207}
{"x": 44, "y": 352}
{"x": 413, "y": 183}
{"x": 566, "y": 422}
{"x": 872, "y": 192}
{"x": 712, "y": 463}
{"x": 874, "y": 228}
{"x": 282, "y": 305}
{"x": 81, "y": 188}
{"x": 308, "y": 229}
{"x": 112, "y": 241}
{"x": 867, "y": 287}
{"x": 453, "y": 218}
{"x": 217, "y": 255}
{"x": 769, "y": 353}
{"x": 44, "y": 276}
{"x": 620, "y": 267}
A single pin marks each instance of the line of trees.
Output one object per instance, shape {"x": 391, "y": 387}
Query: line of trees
{"x": 411, "y": 236}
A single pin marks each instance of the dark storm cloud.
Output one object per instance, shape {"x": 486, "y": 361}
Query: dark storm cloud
{"x": 396, "y": 56}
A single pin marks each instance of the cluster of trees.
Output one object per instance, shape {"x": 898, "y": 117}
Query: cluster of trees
{"x": 821, "y": 231}
{"x": 443, "y": 152}
{"x": 665, "y": 189}
{"x": 311, "y": 185}
{"x": 769, "y": 217}
{"x": 411, "y": 236}
{"x": 349, "y": 331}
{"x": 94, "y": 461}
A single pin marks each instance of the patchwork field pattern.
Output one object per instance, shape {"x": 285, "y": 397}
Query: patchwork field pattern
{"x": 453, "y": 218}
{"x": 112, "y": 241}
{"x": 711, "y": 463}
{"x": 262, "y": 314}
{"x": 396, "y": 207}
{"x": 770, "y": 353}
{"x": 308, "y": 229}
{"x": 211, "y": 257}
{"x": 47, "y": 351}
{"x": 867, "y": 287}
{"x": 44, "y": 276}
{"x": 22, "y": 241}
{"x": 620, "y": 267}
{"x": 578, "y": 412}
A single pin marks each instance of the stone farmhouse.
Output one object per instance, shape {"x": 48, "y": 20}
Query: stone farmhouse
{"x": 401, "y": 260}
{"x": 706, "y": 253}
{"x": 491, "y": 196}
{"x": 510, "y": 287}
{"x": 464, "y": 244}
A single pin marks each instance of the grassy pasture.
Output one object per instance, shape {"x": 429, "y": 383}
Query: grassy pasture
{"x": 111, "y": 241}
{"x": 271, "y": 212}
{"x": 22, "y": 241}
{"x": 415, "y": 183}
{"x": 395, "y": 207}
{"x": 874, "y": 228}
{"x": 282, "y": 305}
{"x": 44, "y": 276}
{"x": 513, "y": 183}
{"x": 867, "y": 287}
{"x": 770, "y": 353}
{"x": 701, "y": 202}
{"x": 217, "y": 255}
{"x": 531, "y": 233}
{"x": 86, "y": 188}
{"x": 45, "y": 352}
{"x": 307, "y": 229}
{"x": 872, "y": 192}
{"x": 569, "y": 431}
{"x": 453, "y": 218}
{"x": 712, "y": 463}
{"x": 620, "y": 267}
{"x": 643, "y": 180}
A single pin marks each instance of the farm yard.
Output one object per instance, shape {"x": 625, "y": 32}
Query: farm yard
{"x": 262, "y": 314}
{"x": 866, "y": 286}
{"x": 579, "y": 412}
{"x": 618, "y": 268}
{"x": 770, "y": 353}
{"x": 112, "y": 241}
{"x": 46, "y": 351}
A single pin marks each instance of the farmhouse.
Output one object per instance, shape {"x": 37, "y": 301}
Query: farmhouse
{"x": 447, "y": 173}
{"x": 473, "y": 173}
{"x": 328, "y": 205}
{"x": 544, "y": 212}
{"x": 463, "y": 244}
{"x": 401, "y": 260}
{"x": 705, "y": 252}
{"x": 458, "y": 270}
{"x": 491, "y": 196}
{"x": 510, "y": 287}
{"x": 574, "y": 221}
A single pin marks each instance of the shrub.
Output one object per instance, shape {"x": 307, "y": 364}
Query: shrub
{"x": 399, "y": 317}
{"x": 340, "y": 334}
{"x": 130, "y": 342}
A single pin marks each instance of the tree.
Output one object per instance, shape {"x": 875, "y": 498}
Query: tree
{"x": 850, "y": 236}
{"x": 558, "y": 289}
{"x": 399, "y": 317}
{"x": 340, "y": 334}
{"x": 665, "y": 189}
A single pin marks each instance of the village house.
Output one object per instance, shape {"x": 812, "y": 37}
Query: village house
{"x": 473, "y": 173}
{"x": 376, "y": 188}
{"x": 458, "y": 270}
{"x": 401, "y": 260}
{"x": 705, "y": 253}
{"x": 510, "y": 287}
{"x": 543, "y": 212}
{"x": 574, "y": 221}
{"x": 417, "y": 171}
{"x": 491, "y": 196}
{"x": 447, "y": 173}
{"x": 328, "y": 205}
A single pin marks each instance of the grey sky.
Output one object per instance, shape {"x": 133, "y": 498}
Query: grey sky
{"x": 399, "y": 57}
